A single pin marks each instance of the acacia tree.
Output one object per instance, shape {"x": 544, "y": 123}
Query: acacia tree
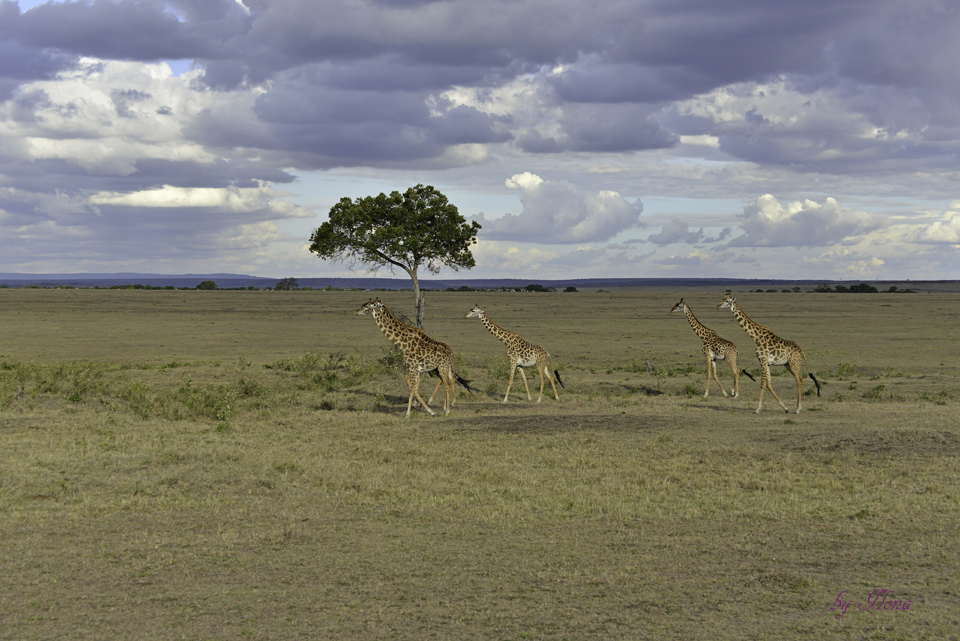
{"x": 413, "y": 230}
{"x": 287, "y": 284}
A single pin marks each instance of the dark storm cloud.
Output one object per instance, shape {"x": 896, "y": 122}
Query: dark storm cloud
{"x": 593, "y": 80}
{"x": 617, "y": 128}
{"x": 314, "y": 125}
{"x": 70, "y": 178}
{"x": 618, "y": 63}
{"x": 148, "y": 30}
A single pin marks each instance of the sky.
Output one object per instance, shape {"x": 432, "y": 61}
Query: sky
{"x": 623, "y": 138}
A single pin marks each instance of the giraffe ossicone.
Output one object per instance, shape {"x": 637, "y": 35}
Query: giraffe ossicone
{"x": 521, "y": 354}
{"x": 420, "y": 353}
{"x": 771, "y": 350}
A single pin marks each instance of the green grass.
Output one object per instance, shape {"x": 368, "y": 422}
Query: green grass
{"x": 184, "y": 481}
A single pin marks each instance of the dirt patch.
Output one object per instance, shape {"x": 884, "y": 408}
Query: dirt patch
{"x": 566, "y": 423}
{"x": 899, "y": 443}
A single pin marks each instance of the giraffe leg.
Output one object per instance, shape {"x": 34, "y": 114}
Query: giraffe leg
{"x": 795, "y": 370}
{"x": 413, "y": 380}
{"x": 524, "y": 377}
{"x": 439, "y": 383}
{"x": 541, "y": 366}
{"x": 451, "y": 390}
{"x": 513, "y": 370}
{"x": 736, "y": 376}
{"x": 765, "y": 381}
{"x": 411, "y": 384}
{"x": 713, "y": 368}
{"x": 706, "y": 393}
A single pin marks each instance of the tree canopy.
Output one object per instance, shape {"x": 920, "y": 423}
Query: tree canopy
{"x": 416, "y": 229}
{"x": 287, "y": 284}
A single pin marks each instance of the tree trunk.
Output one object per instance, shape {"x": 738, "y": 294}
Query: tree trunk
{"x": 417, "y": 297}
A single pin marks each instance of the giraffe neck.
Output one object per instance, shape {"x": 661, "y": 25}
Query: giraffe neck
{"x": 502, "y": 334}
{"x": 703, "y": 332}
{"x": 752, "y": 328}
{"x": 393, "y": 328}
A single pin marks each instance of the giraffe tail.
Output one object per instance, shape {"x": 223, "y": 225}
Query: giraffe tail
{"x": 556, "y": 374}
{"x": 465, "y": 383}
{"x": 810, "y": 374}
{"x": 743, "y": 371}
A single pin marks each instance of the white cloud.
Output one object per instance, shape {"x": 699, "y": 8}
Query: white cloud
{"x": 802, "y": 223}
{"x": 695, "y": 258}
{"x": 703, "y": 140}
{"x": 945, "y": 231}
{"x": 526, "y": 180}
{"x": 506, "y": 260}
{"x": 554, "y": 212}
{"x": 844, "y": 263}
{"x": 105, "y": 116}
{"x": 230, "y": 199}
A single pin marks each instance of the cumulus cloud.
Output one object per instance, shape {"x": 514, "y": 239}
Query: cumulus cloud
{"x": 507, "y": 260}
{"x": 526, "y": 181}
{"x": 233, "y": 200}
{"x": 693, "y": 259}
{"x": 105, "y": 117}
{"x": 676, "y": 231}
{"x": 845, "y": 263}
{"x": 945, "y": 231}
{"x": 555, "y": 212}
{"x": 503, "y": 259}
{"x": 767, "y": 223}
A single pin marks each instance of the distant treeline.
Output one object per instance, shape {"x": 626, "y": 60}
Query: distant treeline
{"x": 533, "y": 287}
{"x": 291, "y": 284}
{"x": 862, "y": 288}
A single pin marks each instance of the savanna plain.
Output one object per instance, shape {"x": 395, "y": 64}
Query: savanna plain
{"x": 237, "y": 464}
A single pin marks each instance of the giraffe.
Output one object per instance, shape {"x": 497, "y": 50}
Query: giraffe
{"x": 714, "y": 349}
{"x": 771, "y": 350}
{"x": 420, "y": 352}
{"x": 521, "y": 354}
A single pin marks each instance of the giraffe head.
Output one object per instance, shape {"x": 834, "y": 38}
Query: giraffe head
{"x": 367, "y": 307}
{"x": 679, "y": 307}
{"x": 728, "y": 302}
{"x": 476, "y": 312}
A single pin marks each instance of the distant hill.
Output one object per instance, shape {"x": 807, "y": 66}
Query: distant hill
{"x": 232, "y": 281}
{"x": 226, "y": 281}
